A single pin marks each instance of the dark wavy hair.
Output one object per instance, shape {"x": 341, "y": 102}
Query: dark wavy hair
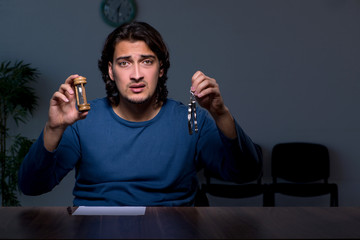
{"x": 134, "y": 31}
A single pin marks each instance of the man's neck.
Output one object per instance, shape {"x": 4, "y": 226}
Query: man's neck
{"x": 136, "y": 112}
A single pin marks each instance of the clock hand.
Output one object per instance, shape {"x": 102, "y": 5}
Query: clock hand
{"x": 118, "y": 12}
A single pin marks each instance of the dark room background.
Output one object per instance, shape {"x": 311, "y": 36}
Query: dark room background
{"x": 288, "y": 70}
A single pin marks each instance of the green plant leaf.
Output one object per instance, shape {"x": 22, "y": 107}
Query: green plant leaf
{"x": 17, "y": 102}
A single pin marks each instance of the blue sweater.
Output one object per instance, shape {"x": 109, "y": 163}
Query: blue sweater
{"x": 149, "y": 163}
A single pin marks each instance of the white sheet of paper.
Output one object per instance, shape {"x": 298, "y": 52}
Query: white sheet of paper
{"x": 115, "y": 211}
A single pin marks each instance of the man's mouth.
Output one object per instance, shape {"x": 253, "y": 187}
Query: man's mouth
{"x": 137, "y": 87}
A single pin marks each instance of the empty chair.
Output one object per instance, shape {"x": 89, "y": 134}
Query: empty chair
{"x": 305, "y": 167}
{"x": 233, "y": 190}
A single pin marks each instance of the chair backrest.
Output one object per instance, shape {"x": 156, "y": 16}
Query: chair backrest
{"x": 258, "y": 180}
{"x": 300, "y": 162}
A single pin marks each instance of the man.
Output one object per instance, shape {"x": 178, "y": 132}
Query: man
{"x": 133, "y": 147}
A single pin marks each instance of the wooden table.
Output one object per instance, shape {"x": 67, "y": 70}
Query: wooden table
{"x": 184, "y": 223}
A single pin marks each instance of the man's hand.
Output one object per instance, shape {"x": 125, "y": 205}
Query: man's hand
{"x": 208, "y": 96}
{"x": 62, "y": 113}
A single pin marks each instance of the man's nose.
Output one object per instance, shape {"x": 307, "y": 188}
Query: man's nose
{"x": 136, "y": 74}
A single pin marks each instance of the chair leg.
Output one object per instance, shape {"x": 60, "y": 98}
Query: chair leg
{"x": 334, "y": 196}
{"x": 268, "y": 196}
{"x": 201, "y": 199}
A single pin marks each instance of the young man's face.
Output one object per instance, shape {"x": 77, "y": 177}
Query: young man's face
{"x": 135, "y": 70}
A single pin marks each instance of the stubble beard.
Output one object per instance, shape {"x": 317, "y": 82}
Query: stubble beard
{"x": 137, "y": 101}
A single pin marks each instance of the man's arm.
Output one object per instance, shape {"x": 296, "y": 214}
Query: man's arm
{"x": 62, "y": 113}
{"x": 38, "y": 172}
{"x": 243, "y": 161}
{"x": 208, "y": 96}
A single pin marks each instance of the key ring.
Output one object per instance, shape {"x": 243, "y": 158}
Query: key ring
{"x": 192, "y": 120}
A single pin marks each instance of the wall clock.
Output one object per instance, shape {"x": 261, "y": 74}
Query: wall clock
{"x": 117, "y": 12}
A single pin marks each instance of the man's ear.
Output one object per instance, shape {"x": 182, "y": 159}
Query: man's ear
{"x": 110, "y": 71}
{"x": 161, "y": 72}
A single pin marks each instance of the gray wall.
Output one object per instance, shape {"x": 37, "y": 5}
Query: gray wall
{"x": 288, "y": 70}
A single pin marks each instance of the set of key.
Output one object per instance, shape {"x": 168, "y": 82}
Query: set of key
{"x": 192, "y": 121}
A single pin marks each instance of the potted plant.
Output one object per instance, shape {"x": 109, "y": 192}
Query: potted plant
{"x": 17, "y": 103}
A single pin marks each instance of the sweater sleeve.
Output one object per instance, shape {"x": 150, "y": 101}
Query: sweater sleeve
{"x": 42, "y": 170}
{"x": 237, "y": 160}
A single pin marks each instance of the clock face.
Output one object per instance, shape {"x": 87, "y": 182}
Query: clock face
{"x": 117, "y": 12}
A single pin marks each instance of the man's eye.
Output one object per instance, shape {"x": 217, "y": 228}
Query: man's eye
{"x": 123, "y": 64}
{"x": 148, "y": 62}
